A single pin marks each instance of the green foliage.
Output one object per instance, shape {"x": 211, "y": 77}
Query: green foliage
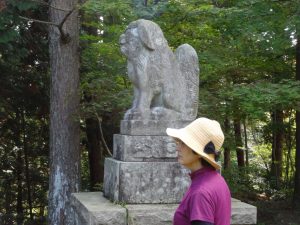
{"x": 104, "y": 83}
{"x": 150, "y": 11}
{"x": 246, "y": 52}
{"x": 22, "y": 5}
{"x": 23, "y": 115}
{"x": 256, "y": 99}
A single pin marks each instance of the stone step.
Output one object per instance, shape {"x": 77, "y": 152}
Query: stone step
{"x": 91, "y": 208}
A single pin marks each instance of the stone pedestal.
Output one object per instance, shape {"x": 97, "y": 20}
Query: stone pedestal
{"x": 144, "y": 182}
{"x": 91, "y": 208}
{"x": 149, "y": 127}
{"x": 144, "y": 168}
{"x": 144, "y": 148}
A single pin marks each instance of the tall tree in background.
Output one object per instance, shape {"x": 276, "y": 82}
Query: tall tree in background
{"x": 64, "y": 106}
{"x": 23, "y": 113}
{"x": 239, "y": 143}
{"x": 277, "y": 146}
{"x": 296, "y": 197}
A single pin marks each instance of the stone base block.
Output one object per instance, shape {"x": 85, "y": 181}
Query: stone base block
{"x": 144, "y": 148}
{"x": 144, "y": 182}
{"x": 149, "y": 127}
{"x": 93, "y": 209}
{"x": 243, "y": 213}
{"x": 151, "y": 214}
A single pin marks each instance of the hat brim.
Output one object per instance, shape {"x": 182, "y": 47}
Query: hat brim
{"x": 181, "y": 134}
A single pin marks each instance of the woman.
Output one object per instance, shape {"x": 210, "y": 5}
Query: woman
{"x": 207, "y": 201}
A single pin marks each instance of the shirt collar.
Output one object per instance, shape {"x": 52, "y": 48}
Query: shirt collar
{"x": 200, "y": 172}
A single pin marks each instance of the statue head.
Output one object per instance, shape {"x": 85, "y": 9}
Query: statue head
{"x": 139, "y": 35}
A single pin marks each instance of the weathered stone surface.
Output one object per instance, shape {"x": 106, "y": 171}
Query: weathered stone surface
{"x": 144, "y": 182}
{"x": 166, "y": 85}
{"x": 112, "y": 178}
{"x": 94, "y": 209}
{"x": 151, "y": 214}
{"x": 91, "y": 208}
{"x": 144, "y": 148}
{"x": 149, "y": 127}
{"x": 243, "y": 213}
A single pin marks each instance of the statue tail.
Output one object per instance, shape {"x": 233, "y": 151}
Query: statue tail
{"x": 189, "y": 66}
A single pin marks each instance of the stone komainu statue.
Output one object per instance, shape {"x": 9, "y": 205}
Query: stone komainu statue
{"x": 166, "y": 85}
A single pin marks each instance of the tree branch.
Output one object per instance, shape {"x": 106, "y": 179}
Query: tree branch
{"x": 101, "y": 134}
{"x": 39, "y": 21}
{"x": 65, "y": 37}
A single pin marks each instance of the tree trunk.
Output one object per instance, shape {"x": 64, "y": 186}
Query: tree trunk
{"x": 289, "y": 163}
{"x": 19, "y": 169}
{"x": 95, "y": 152}
{"x": 25, "y": 149}
{"x": 238, "y": 142}
{"x": 246, "y": 143}
{"x": 276, "y": 167}
{"x": 226, "y": 148}
{"x": 296, "y": 197}
{"x": 19, "y": 166}
{"x": 8, "y": 199}
{"x": 64, "y": 112}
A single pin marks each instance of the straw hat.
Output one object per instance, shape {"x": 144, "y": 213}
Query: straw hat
{"x": 198, "y": 134}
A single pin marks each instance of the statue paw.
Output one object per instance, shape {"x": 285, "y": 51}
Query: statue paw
{"x": 136, "y": 114}
{"x": 161, "y": 113}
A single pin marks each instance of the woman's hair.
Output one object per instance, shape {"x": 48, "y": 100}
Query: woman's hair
{"x": 209, "y": 149}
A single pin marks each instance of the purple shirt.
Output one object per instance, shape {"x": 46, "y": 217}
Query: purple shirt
{"x": 207, "y": 199}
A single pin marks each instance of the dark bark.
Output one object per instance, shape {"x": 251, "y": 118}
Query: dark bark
{"x": 19, "y": 170}
{"x": 289, "y": 164}
{"x": 226, "y": 147}
{"x": 276, "y": 167}
{"x": 8, "y": 198}
{"x": 296, "y": 197}
{"x": 19, "y": 166}
{"x": 29, "y": 200}
{"x": 95, "y": 152}
{"x": 238, "y": 142}
{"x": 246, "y": 143}
{"x": 64, "y": 106}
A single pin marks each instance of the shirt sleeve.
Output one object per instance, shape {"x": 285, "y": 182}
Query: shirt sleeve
{"x": 201, "y": 207}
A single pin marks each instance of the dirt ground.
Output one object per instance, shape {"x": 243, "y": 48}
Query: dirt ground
{"x": 270, "y": 212}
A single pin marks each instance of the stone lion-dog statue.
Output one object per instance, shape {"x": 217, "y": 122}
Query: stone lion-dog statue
{"x": 166, "y": 84}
